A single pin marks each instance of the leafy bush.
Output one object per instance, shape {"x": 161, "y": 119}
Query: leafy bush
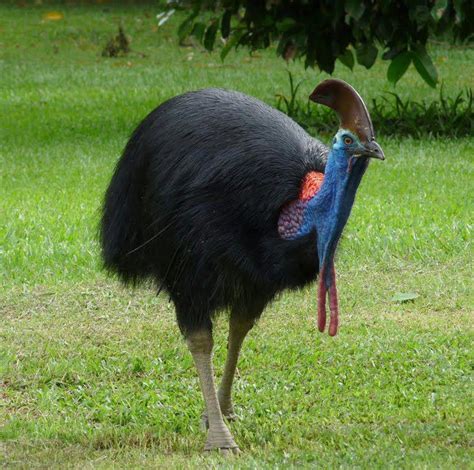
{"x": 323, "y": 31}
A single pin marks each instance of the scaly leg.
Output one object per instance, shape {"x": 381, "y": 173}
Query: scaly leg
{"x": 219, "y": 437}
{"x": 238, "y": 329}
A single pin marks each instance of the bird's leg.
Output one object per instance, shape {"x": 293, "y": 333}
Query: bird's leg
{"x": 219, "y": 437}
{"x": 238, "y": 329}
{"x": 239, "y": 326}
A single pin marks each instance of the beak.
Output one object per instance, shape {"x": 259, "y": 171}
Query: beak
{"x": 373, "y": 150}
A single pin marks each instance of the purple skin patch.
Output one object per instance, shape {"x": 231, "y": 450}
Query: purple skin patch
{"x": 291, "y": 219}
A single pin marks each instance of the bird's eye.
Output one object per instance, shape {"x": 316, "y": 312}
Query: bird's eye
{"x": 348, "y": 140}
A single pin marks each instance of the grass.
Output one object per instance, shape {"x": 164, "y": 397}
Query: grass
{"x": 93, "y": 375}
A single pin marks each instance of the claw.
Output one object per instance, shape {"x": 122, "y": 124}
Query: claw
{"x": 225, "y": 451}
{"x": 229, "y": 452}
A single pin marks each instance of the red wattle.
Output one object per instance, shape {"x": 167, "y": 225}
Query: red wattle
{"x": 322, "y": 302}
{"x": 333, "y": 304}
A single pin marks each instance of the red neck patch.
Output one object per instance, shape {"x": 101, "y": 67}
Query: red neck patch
{"x": 311, "y": 184}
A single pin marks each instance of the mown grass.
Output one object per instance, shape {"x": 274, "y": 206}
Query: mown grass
{"x": 94, "y": 375}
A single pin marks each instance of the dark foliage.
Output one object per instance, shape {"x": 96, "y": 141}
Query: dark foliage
{"x": 324, "y": 31}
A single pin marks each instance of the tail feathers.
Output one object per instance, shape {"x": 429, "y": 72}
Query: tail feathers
{"x": 122, "y": 225}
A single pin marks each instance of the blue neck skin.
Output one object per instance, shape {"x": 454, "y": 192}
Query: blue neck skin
{"x": 330, "y": 208}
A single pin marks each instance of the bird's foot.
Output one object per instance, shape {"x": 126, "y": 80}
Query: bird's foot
{"x": 221, "y": 440}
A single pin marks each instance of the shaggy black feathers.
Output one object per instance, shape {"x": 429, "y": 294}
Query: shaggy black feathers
{"x": 195, "y": 199}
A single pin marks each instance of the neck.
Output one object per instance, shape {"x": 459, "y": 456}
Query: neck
{"x": 333, "y": 204}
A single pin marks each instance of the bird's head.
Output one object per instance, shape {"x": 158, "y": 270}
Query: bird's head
{"x": 356, "y": 136}
{"x": 348, "y": 144}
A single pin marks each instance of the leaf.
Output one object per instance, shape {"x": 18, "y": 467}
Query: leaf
{"x": 347, "y": 58}
{"x": 326, "y": 60}
{"x": 186, "y": 27}
{"x": 198, "y": 31}
{"x": 233, "y": 41}
{"x": 225, "y": 24}
{"x": 425, "y": 67}
{"x": 394, "y": 51}
{"x": 366, "y": 55}
{"x": 210, "y": 36}
{"x": 285, "y": 25}
{"x": 398, "y": 67}
{"x": 355, "y": 9}
{"x": 53, "y": 16}
{"x": 403, "y": 297}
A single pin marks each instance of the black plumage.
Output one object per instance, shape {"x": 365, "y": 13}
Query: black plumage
{"x": 195, "y": 199}
{"x": 221, "y": 200}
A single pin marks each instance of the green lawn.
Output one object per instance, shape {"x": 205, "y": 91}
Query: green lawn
{"x": 93, "y": 375}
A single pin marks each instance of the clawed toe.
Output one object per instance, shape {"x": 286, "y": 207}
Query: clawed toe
{"x": 226, "y": 451}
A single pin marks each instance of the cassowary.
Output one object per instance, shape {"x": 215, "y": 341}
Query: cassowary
{"x": 224, "y": 202}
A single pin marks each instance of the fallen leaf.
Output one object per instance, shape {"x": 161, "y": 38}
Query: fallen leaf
{"x": 402, "y": 297}
{"x": 53, "y": 16}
